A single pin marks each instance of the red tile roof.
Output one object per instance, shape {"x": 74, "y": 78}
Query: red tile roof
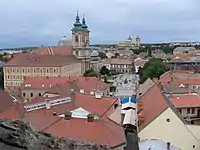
{"x": 54, "y": 50}
{"x": 102, "y": 131}
{"x": 6, "y": 101}
{"x": 182, "y": 100}
{"x": 86, "y": 101}
{"x": 37, "y": 60}
{"x": 93, "y": 82}
{"x": 153, "y": 104}
{"x": 140, "y": 62}
{"x": 42, "y": 83}
{"x": 81, "y": 82}
{"x": 191, "y": 81}
{"x": 168, "y": 77}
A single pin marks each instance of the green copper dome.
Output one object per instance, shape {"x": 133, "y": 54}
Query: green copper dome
{"x": 84, "y": 23}
{"x": 77, "y": 23}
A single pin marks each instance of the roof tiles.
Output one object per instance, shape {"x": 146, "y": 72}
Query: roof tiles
{"x": 153, "y": 104}
{"x": 55, "y": 50}
{"x": 184, "y": 100}
{"x": 60, "y": 83}
{"x": 102, "y": 131}
{"x": 35, "y": 60}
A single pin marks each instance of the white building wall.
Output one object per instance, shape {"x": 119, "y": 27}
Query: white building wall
{"x": 174, "y": 131}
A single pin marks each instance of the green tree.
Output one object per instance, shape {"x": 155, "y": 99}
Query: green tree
{"x": 102, "y": 55}
{"x": 154, "y": 68}
{"x": 90, "y": 73}
{"x": 104, "y": 71}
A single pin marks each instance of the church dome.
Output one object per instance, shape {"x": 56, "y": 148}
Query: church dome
{"x": 64, "y": 41}
{"x": 129, "y": 39}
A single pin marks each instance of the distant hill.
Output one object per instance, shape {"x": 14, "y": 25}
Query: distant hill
{"x": 21, "y": 48}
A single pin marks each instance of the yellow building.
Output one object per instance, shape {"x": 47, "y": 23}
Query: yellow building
{"x": 34, "y": 65}
{"x": 137, "y": 41}
{"x": 128, "y": 44}
{"x": 159, "y": 119}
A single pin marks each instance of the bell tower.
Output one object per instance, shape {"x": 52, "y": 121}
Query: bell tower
{"x": 80, "y": 42}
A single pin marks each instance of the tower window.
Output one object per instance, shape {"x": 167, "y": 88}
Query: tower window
{"x": 83, "y": 38}
{"x": 76, "y": 38}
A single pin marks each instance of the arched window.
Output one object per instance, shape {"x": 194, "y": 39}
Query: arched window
{"x": 83, "y": 38}
{"x": 76, "y": 38}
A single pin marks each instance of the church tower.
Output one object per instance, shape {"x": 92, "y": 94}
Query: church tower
{"x": 80, "y": 42}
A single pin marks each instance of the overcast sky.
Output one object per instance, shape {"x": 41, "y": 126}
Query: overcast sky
{"x": 44, "y": 22}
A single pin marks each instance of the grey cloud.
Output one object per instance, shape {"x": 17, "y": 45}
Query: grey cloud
{"x": 36, "y": 22}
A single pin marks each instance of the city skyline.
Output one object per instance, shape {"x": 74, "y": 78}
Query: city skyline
{"x": 35, "y": 23}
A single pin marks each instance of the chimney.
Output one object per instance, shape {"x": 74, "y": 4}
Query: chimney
{"x": 90, "y": 118}
{"x": 72, "y": 91}
{"x": 168, "y": 145}
{"x": 54, "y": 113}
{"x": 98, "y": 95}
{"x": 115, "y": 106}
{"x": 82, "y": 91}
{"x": 48, "y": 104}
{"x": 68, "y": 115}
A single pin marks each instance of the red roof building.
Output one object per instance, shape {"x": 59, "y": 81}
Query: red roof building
{"x": 55, "y": 50}
{"x": 77, "y": 116}
{"x": 58, "y": 85}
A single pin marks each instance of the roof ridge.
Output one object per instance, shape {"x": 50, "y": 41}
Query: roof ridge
{"x": 147, "y": 91}
{"x": 105, "y": 122}
{"x": 109, "y": 108}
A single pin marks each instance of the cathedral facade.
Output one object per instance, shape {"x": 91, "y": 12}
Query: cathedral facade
{"x": 80, "y": 39}
{"x": 80, "y": 42}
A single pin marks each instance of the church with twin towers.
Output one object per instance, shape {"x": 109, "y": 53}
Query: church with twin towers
{"x": 80, "y": 39}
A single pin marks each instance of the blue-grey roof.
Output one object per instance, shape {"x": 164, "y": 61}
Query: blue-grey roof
{"x": 155, "y": 145}
{"x": 128, "y": 99}
{"x": 182, "y": 49}
{"x": 124, "y": 51}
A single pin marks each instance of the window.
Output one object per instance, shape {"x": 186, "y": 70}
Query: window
{"x": 24, "y": 94}
{"x": 168, "y": 120}
{"x": 31, "y": 94}
{"x": 188, "y": 110}
{"x": 180, "y": 110}
{"x": 76, "y": 38}
{"x": 40, "y": 94}
{"x": 83, "y": 38}
{"x": 193, "y": 110}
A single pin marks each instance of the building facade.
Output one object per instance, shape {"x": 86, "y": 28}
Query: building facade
{"x": 80, "y": 42}
{"x": 32, "y": 65}
{"x": 117, "y": 65}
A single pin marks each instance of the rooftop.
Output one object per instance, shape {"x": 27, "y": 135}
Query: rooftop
{"x": 185, "y": 100}
{"x": 56, "y": 84}
{"x": 51, "y": 120}
{"x": 153, "y": 103}
{"x": 117, "y": 61}
{"x": 184, "y": 48}
{"x": 54, "y": 50}
{"x": 35, "y": 60}
{"x": 6, "y": 100}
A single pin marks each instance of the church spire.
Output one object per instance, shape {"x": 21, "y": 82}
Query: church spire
{"x": 77, "y": 23}
{"x": 84, "y": 22}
